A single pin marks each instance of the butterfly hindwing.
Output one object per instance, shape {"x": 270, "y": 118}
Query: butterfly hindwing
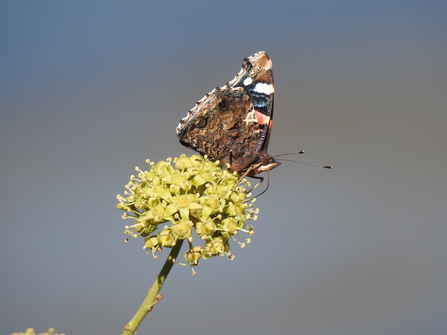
{"x": 232, "y": 124}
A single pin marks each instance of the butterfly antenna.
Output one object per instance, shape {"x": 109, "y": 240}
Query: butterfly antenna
{"x": 290, "y": 153}
{"x": 300, "y": 152}
{"x": 317, "y": 165}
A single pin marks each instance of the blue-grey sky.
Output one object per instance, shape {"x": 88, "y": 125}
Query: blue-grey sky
{"x": 91, "y": 89}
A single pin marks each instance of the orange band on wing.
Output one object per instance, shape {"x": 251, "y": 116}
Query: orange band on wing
{"x": 262, "y": 118}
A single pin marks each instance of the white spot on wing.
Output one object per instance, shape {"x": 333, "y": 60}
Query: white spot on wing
{"x": 264, "y": 88}
{"x": 251, "y": 117}
{"x": 248, "y": 81}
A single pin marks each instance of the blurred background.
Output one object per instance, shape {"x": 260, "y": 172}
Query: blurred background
{"x": 89, "y": 90}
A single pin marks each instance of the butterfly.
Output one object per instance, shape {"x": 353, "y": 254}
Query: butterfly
{"x": 232, "y": 124}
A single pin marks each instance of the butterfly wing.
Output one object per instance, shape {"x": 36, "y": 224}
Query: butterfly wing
{"x": 223, "y": 126}
{"x": 256, "y": 78}
{"x": 232, "y": 124}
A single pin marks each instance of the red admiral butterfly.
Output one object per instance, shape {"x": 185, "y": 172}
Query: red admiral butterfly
{"x": 232, "y": 123}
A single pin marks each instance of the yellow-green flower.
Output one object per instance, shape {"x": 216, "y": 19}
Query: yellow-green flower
{"x": 172, "y": 201}
{"x": 30, "y": 331}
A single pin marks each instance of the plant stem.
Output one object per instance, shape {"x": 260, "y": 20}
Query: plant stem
{"x": 151, "y": 298}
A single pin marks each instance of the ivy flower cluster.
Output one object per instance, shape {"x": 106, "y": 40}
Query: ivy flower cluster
{"x": 30, "y": 331}
{"x": 177, "y": 197}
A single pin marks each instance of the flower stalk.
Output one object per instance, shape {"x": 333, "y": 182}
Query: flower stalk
{"x": 151, "y": 298}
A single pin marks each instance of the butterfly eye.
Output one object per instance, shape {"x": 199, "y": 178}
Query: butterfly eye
{"x": 224, "y": 104}
{"x": 200, "y": 123}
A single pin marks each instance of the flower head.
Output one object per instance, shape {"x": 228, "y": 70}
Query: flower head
{"x": 171, "y": 201}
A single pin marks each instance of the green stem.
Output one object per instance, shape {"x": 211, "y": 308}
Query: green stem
{"x": 151, "y": 298}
